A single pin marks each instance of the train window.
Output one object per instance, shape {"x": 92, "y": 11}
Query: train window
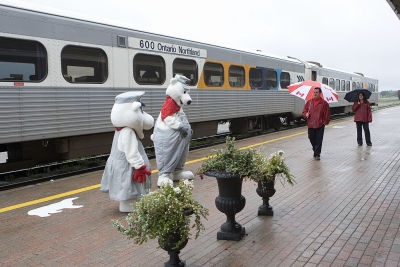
{"x": 353, "y": 85}
{"x": 236, "y": 76}
{"x": 337, "y": 85}
{"x": 271, "y": 79}
{"x": 347, "y": 86}
{"x": 84, "y": 64}
{"x": 332, "y": 83}
{"x": 187, "y": 68}
{"x": 359, "y": 85}
{"x": 343, "y": 85}
{"x": 255, "y": 78}
{"x": 325, "y": 80}
{"x": 148, "y": 69}
{"x": 22, "y": 60}
{"x": 285, "y": 80}
{"x": 213, "y": 74}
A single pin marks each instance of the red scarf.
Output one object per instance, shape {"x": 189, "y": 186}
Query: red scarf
{"x": 169, "y": 107}
{"x": 119, "y": 128}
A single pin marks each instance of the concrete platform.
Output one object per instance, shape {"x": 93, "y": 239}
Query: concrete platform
{"x": 343, "y": 210}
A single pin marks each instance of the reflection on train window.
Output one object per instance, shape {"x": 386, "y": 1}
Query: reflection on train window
{"x": 22, "y": 60}
{"x": 332, "y": 83}
{"x": 213, "y": 74}
{"x": 285, "y": 80}
{"x": 325, "y": 80}
{"x": 353, "y": 85}
{"x": 236, "y": 76}
{"x": 187, "y": 68}
{"x": 337, "y": 85}
{"x": 347, "y": 86}
{"x": 271, "y": 79}
{"x": 84, "y": 64}
{"x": 343, "y": 85}
{"x": 255, "y": 78}
{"x": 148, "y": 69}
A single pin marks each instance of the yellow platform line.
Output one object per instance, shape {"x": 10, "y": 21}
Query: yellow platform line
{"x": 73, "y": 192}
{"x": 33, "y": 202}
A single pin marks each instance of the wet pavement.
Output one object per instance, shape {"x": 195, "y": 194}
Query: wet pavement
{"x": 343, "y": 210}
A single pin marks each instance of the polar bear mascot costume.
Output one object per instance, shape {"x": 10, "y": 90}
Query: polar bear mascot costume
{"x": 127, "y": 173}
{"x": 172, "y": 133}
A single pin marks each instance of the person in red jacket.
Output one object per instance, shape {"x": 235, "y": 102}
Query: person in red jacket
{"x": 317, "y": 113}
{"x": 362, "y": 117}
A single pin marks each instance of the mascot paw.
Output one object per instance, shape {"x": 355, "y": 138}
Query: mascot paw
{"x": 164, "y": 179}
{"x": 126, "y": 205}
{"x": 185, "y": 175}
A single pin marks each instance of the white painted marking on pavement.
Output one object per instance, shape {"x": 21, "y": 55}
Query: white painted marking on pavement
{"x": 338, "y": 127}
{"x": 46, "y": 211}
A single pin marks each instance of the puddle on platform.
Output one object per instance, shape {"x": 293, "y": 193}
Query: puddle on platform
{"x": 46, "y": 211}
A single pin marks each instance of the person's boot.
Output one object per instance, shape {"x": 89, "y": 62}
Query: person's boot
{"x": 164, "y": 178}
{"x": 126, "y": 205}
{"x": 185, "y": 175}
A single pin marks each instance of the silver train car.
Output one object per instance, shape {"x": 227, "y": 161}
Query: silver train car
{"x": 59, "y": 77}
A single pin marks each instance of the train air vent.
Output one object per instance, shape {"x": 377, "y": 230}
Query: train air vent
{"x": 315, "y": 63}
{"x": 121, "y": 41}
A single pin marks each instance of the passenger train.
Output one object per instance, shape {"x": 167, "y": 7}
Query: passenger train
{"x": 59, "y": 77}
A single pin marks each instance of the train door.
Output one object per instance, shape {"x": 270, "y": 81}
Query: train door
{"x": 313, "y": 75}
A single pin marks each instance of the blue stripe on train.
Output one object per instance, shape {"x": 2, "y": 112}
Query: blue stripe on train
{"x": 264, "y": 81}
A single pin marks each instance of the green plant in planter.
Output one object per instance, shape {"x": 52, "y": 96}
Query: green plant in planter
{"x": 270, "y": 168}
{"x": 165, "y": 214}
{"x": 230, "y": 160}
{"x": 229, "y": 166}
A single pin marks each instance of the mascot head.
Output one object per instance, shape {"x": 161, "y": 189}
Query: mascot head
{"x": 128, "y": 112}
{"x": 178, "y": 90}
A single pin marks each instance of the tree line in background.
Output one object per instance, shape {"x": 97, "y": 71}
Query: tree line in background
{"x": 388, "y": 94}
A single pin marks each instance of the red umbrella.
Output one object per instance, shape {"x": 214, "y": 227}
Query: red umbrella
{"x": 305, "y": 90}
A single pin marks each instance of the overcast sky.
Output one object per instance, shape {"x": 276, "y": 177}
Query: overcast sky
{"x": 351, "y": 35}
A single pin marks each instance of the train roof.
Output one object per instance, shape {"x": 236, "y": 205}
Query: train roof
{"x": 316, "y": 65}
{"x": 352, "y": 73}
{"x": 117, "y": 27}
{"x": 122, "y": 28}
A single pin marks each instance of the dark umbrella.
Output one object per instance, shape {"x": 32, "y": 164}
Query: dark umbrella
{"x": 353, "y": 95}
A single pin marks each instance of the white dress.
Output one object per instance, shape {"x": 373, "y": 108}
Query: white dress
{"x": 118, "y": 173}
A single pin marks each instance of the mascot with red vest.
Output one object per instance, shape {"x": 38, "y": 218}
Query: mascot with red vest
{"x": 172, "y": 133}
{"x": 127, "y": 173}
